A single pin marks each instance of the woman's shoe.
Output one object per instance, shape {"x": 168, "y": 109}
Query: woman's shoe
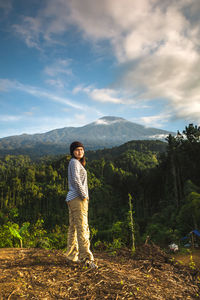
{"x": 72, "y": 258}
{"x": 90, "y": 264}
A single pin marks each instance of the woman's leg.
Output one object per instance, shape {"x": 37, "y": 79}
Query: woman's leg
{"x": 72, "y": 243}
{"x": 79, "y": 209}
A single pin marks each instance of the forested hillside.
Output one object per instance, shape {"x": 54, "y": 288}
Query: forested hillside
{"x": 162, "y": 178}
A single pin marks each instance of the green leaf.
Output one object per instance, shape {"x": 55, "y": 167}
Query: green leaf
{"x": 15, "y": 233}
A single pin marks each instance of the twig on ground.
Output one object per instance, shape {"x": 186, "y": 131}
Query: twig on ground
{"x": 99, "y": 282}
{"x": 12, "y": 293}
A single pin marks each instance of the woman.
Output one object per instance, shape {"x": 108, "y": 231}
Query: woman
{"x": 77, "y": 200}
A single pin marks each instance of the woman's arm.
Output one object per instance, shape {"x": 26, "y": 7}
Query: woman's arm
{"x": 75, "y": 173}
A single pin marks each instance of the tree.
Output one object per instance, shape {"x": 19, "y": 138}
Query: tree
{"x": 189, "y": 215}
{"x": 192, "y": 133}
{"x": 131, "y": 223}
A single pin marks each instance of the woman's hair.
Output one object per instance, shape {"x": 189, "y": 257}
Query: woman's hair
{"x": 75, "y": 145}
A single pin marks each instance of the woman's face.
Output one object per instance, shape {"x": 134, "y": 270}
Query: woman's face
{"x": 79, "y": 152}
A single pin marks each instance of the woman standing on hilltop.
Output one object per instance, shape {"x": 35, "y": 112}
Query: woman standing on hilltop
{"x": 77, "y": 200}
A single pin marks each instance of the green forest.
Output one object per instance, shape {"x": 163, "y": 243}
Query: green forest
{"x": 161, "y": 178}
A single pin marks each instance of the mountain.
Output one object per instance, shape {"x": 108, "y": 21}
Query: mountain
{"x": 106, "y": 132}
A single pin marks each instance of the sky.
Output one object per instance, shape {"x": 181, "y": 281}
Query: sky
{"x": 68, "y": 63}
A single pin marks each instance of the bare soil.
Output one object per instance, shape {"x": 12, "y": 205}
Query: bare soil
{"x": 192, "y": 257}
{"x": 45, "y": 274}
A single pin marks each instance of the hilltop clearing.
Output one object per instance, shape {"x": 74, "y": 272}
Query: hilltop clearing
{"x": 45, "y": 274}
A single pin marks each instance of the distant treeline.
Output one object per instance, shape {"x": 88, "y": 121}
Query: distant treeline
{"x": 163, "y": 179}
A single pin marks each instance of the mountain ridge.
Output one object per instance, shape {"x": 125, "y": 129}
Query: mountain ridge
{"x": 106, "y": 132}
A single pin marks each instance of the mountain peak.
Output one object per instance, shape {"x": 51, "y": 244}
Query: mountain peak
{"x": 108, "y": 120}
{"x": 106, "y": 132}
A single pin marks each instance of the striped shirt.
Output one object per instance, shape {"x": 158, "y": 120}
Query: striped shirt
{"x": 77, "y": 180}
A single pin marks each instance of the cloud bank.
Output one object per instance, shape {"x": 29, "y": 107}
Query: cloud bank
{"x": 156, "y": 44}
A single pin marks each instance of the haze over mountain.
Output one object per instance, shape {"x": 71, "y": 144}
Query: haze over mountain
{"x": 104, "y": 133}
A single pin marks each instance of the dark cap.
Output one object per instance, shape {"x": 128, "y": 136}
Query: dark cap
{"x": 75, "y": 145}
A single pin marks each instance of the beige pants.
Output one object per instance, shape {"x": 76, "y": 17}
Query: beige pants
{"x": 78, "y": 231}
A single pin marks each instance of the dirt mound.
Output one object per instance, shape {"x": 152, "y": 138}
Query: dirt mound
{"x": 151, "y": 252}
{"x": 45, "y": 274}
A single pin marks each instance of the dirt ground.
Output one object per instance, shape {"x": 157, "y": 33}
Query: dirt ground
{"x": 191, "y": 257}
{"x": 45, "y": 274}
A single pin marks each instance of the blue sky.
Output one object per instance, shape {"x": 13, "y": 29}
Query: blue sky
{"x": 69, "y": 62}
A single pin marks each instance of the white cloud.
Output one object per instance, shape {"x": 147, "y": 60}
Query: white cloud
{"x": 157, "y": 41}
{"x": 101, "y": 122}
{"x": 105, "y": 95}
{"x": 154, "y": 121}
{"x": 10, "y": 118}
{"x": 58, "y": 83}
{"x": 59, "y": 73}
{"x": 44, "y": 94}
{"x": 60, "y": 66}
{"x": 30, "y": 31}
{"x": 29, "y": 113}
{"x": 6, "y": 84}
{"x": 78, "y": 89}
{"x": 158, "y": 136}
{"x": 108, "y": 122}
